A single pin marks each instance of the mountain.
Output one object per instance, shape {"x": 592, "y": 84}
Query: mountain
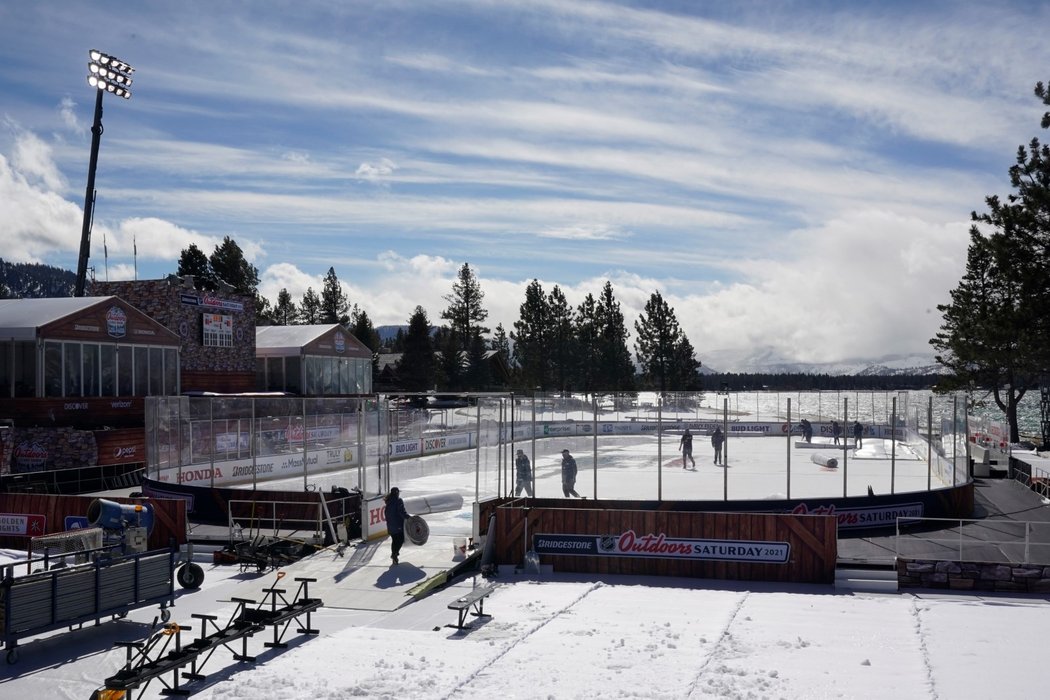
{"x": 770, "y": 361}
{"x": 33, "y": 281}
{"x": 388, "y": 333}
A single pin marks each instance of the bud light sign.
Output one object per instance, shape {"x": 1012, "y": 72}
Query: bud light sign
{"x": 116, "y": 322}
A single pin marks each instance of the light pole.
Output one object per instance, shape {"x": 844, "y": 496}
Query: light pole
{"x": 105, "y": 74}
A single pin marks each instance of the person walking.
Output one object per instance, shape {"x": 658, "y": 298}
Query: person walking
{"x": 396, "y": 515}
{"x": 524, "y": 472}
{"x": 717, "y": 439}
{"x": 858, "y": 435}
{"x": 686, "y": 446}
{"x": 568, "y": 474}
{"x": 836, "y": 430}
{"x": 807, "y": 430}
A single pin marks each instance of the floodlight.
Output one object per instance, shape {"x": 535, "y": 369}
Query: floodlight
{"x": 106, "y": 74}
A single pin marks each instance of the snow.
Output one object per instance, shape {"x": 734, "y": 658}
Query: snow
{"x": 555, "y": 635}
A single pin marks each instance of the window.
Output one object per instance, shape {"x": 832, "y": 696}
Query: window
{"x": 108, "y": 361}
{"x": 6, "y": 352}
{"x": 25, "y": 369}
{"x": 275, "y": 374}
{"x": 217, "y": 330}
{"x": 171, "y": 371}
{"x": 293, "y": 374}
{"x": 71, "y": 359}
{"x": 90, "y": 360}
{"x": 125, "y": 371}
{"x": 156, "y": 375}
{"x": 141, "y": 370}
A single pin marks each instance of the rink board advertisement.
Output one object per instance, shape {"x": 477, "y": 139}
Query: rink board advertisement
{"x": 659, "y": 545}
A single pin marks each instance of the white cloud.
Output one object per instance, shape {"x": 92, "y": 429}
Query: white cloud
{"x": 67, "y": 111}
{"x": 584, "y": 232}
{"x": 32, "y": 159}
{"x": 34, "y": 222}
{"x": 376, "y": 171}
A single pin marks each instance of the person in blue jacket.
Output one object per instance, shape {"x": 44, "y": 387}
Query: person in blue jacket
{"x": 396, "y": 515}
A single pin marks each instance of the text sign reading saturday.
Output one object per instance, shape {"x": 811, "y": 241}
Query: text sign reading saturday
{"x": 630, "y": 544}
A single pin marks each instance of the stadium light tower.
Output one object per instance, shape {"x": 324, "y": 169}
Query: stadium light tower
{"x": 105, "y": 74}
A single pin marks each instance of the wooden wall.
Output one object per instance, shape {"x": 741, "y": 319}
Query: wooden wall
{"x": 219, "y": 381}
{"x": 812, "y": 538}
{"x": 169, "y": 516}
{"x": 82, "y": 412}
{"x": 122, "y": 446}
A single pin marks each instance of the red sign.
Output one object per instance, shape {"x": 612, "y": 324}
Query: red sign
{"x": 20, "y": 524}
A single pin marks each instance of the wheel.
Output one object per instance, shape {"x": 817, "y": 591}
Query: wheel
{"x": 165, "y": 614}
{"x": 190, "y": 575}
{"x": 12, "y": 655}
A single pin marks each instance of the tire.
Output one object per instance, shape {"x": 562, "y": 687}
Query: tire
{"x": 165, "y": 614}
{"x": 190, "y": 576}
{"x": 12, "y": 656}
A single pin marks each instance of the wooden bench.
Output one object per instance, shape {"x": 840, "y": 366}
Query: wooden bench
{"x": 475, "y": 598}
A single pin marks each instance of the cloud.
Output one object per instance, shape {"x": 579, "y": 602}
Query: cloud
{"x": 67, "y": 111}
{"x": 32, "y": 159}
{"x": 376, "y": 171}
{"x": 584, "y": 232}
{"x": 35, "y": 222}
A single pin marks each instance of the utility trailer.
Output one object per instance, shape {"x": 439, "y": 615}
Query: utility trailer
{"x": 68, "y": 596}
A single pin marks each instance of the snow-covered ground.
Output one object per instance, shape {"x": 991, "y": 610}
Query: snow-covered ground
{"x": 561, "y": 636}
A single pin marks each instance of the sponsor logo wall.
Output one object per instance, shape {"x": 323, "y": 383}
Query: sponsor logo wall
{"x": 659, "y": 545}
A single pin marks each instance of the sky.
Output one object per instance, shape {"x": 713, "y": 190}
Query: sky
{"x": 795, "y": 178}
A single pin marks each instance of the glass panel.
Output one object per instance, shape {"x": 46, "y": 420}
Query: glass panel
{"x": 25, "y": 369}
{"x": 156, "y": 374}
{"x": 275, "y": 374}
{"x": 125, "y": 372}
{"x": 260, "y": 374}
{"x": 108, "y": 360}
{"x": 71, "y": 357}
{"x": 346, "y": 379}
{"x": 292, "y": 372}
{"x": 90, "y": 367}
{"x": 313, "y": 375}
{"x": 6, "y": 358}
{"x": 171, "y": 371}
{"x": 326, "y": 375}
{"x": 141, "y": 371}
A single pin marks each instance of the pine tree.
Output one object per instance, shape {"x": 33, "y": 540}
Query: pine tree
{"x": 585, "y": 330}
{"x": 193, "y": 261}
{"x": 532, "y": 339}
{"x": 310, "y": 307}
{"x": 451, "y": 358}
{"x": 229, "y": 265}
{"x": 284, "y": 311}
{"x": 996, "y": 333}
{"x": 417, "y": 368}
{"x": 615, "y": 368}
{"x": 658, "y": 334}
{"x": 563, "y": 351}
{"x": 362, "y": 329}
{"x": 334, "y": 304}
{"x": 465, "y": 312}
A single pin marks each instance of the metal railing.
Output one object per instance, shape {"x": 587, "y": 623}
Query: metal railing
{"x": 1017, "y": 542}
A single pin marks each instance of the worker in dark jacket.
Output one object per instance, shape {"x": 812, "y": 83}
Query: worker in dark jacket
{"x": 717, "y": 439}
{"x": 568, "y": 474}
{"x": 523, "y": 470}
{"x": 396, "y": 515}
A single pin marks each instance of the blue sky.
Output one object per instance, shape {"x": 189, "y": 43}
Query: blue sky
{"x": 795, "y": 178}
